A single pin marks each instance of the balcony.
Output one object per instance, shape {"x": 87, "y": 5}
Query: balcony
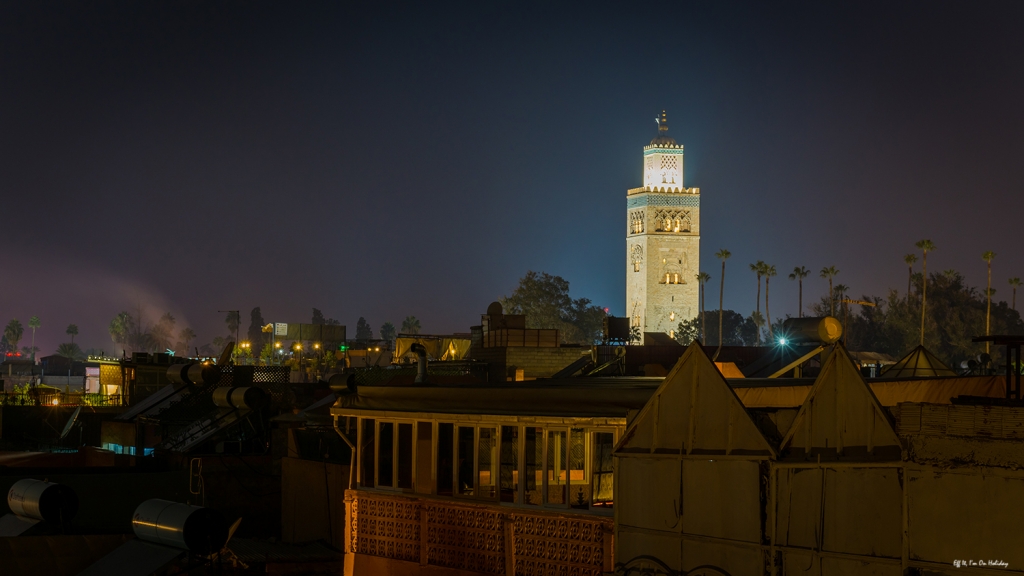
{"x": 386, "y": 532}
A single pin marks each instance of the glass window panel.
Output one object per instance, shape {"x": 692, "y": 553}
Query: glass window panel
{"x": 405, "y": 455}
{"x": 534, "y": 465}
{"x": 445, "y": 459}
{"x": 424, "y": 454}
{"x": 367, "y": 451}
{"x": 466, "y": 462}
{"x": 386, "y": 455}
{"x": 579, "y": 482}
{"x": 602, "y": 471}
{"x": 487, "y": 463}
{"x": 555, "y": 466}
{"x": 509, "y": 472}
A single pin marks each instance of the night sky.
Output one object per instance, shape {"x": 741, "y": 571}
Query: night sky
{"x": 387, "y": 160}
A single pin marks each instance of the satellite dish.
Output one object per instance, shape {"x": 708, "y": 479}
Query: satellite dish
{"x": 71, "y": 422}
{"x": 494, "y": 309}
{"x": 225, "y": 356}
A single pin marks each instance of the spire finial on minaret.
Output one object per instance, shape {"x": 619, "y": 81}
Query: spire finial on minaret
{"x": 662, "y": 122}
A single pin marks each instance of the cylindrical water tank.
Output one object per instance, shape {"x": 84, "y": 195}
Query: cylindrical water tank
{"x": 53, "y": 503}
{"x": 821, "y": 330}
{"x": 201, "y": 374}
{"x": 248, "y": 397}
{"x": 195, "y": 373}
{"x": 194, "y": 528}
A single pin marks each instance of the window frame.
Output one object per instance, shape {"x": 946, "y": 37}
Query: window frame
{"x": 520, "y": 470}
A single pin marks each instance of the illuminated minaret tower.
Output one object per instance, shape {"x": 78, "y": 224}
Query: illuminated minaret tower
{"x": 662, "y": 240}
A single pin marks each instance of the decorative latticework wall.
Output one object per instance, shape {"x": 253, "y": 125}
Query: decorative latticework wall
{"x": 387, "y": 528}
{"x": 478, "y": 538}
{"x": 465, "y": 538}
{"x": 557, "y": 546}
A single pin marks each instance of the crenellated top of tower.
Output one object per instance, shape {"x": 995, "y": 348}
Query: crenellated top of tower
{"x": 663, "y": 162}
{"x": 663, "y": 140}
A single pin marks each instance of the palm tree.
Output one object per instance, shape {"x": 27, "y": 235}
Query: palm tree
{"x": 840, "y": 295}
{"x": 13, "y": 332}
{"x": 910, "y": 259}
{"x": 233, "y": 320}
{"x": 411, "y": 325}
{"x": 799, "y": 273}
{"x": 758, "y": 268}
{"x": 988, "y": 257}
{"x": 186, "y": 335}
{"x": 72, "y": 331}
{"x": 33, "y": 323}
{"x": 702, "y": 278}
{"x": 1015, "y": 283}
{"x": 830, "y": 272}
{"x": 769, "y": 271}
{"x": 723, "y": 255}
{"x": 121, "y": 329}
{"x": 71, "y": 351}
{"x": 925, "y": 246}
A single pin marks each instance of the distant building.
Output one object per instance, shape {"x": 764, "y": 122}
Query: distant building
{"x": 662, "y": 240}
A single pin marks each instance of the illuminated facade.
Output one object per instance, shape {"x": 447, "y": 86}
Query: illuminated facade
{"x": 662, "y": 240}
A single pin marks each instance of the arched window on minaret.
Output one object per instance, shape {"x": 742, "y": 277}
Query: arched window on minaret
{"x": 637, "y": 256}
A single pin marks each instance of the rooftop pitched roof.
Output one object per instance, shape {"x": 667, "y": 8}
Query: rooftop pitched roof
{"x": 918, "y": 363}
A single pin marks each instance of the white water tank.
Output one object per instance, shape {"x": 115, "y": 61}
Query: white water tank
{"x": 200, "y": 530}
{"x": 47, "y": 501}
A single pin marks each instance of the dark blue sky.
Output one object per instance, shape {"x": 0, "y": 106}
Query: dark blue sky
{"x": 385, "y": 160}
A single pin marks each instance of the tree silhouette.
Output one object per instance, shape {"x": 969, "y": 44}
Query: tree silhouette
{"x": 120, "y": 329}
{"x": 722, "y": 255}
{"x": 988, "y": 257}
{"x": 186, "y": 336}
{"x": 1015, "y": 283}
{"x": 768, "y": 272}
{"x": 233, "y": 320}
{"x": 798, "y": 274}
{"x": 71, "y": 352}
{"x": 546, "y": 302}
{"x": 162, "y": 334}
{"x": 925, "y": 246}
{"x": 758, "y": 269}
{"x": 411, "y": 325}
{"x": 363, "y": 330}
{"x": 830, "y": 272}
{"x": 13, "y": 332}
{"x": 33, "y": 323}
{"x": 910, "y": 259}
{"x": 71, "y": 331}
{"x": 255, "y": 332}
{"x": 702, "y": 279}
{"x": 387, "y": 332}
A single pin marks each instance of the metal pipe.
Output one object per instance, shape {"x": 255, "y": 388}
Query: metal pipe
{"x": 421, "y": 361}
{"x": 352, "y": 450}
